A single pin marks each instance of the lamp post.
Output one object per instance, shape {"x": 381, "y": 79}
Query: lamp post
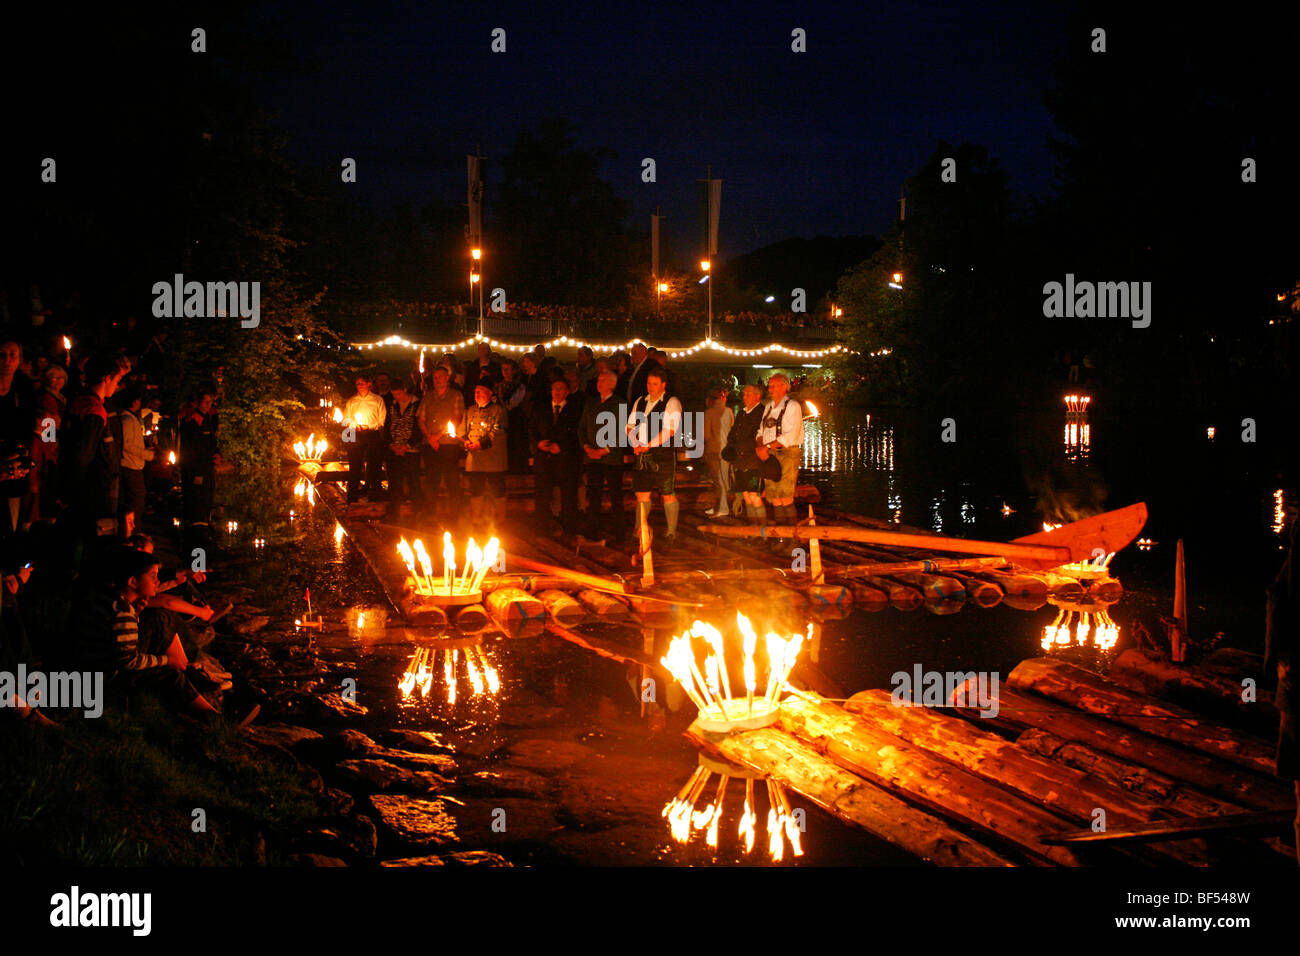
{"x": 705, "y": 266}
{"x": 476, "y": 276}
{"x": 660, "y": 289}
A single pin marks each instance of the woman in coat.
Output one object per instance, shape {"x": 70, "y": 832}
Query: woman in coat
{"x": 488, "y": 459}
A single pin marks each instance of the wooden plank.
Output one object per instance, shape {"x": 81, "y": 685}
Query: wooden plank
{"x": 1237, "y": 824}
{"x": 1088, "y": 692}
{"x": 850, "y": 798}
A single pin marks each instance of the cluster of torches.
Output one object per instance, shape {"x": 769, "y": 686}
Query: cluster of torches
{"x": 684, "y": 819}
{"x": 1089, "y": 567}
{"x": 1097, "y": 624}
{"x": 710, "y": 691}
{"x": 1078, "y": 433}
{"x": 310, "y": 450}
{"x": 422, "y": 670}
{"x": 478, "y": 561}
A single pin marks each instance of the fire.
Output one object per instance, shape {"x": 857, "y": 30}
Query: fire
{"x": 477, "y": 564}
{"x": 338, "y": 415}
{"x": 171, "y": 458}
{"x": 811, "y": 410}
{"x": 310, "y": 450}
{"x": 1048, "y": 526}
{"x": 710, "y": 690}
{"x": 451, "y": 429}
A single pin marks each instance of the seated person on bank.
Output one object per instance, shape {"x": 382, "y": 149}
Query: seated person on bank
{"x": 107, "y": 626}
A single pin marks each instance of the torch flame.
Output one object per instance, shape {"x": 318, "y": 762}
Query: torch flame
{"x": 338, "y": 415}
{"x": 451, "y": 429}
{"x": 171, "y": 458}
{"x": 812, "y": 411}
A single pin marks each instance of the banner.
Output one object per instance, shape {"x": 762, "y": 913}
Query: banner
{"x": 475, "y": 201}
{"x": 715, "y": 209}
{"x": 654, "y": 245}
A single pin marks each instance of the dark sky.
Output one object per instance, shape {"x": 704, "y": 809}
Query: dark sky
{"x": 806, "y": 144}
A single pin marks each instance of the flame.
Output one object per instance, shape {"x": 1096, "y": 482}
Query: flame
{"x": 448, "y": 561}
{"x": 812, "y": 411}
{"x": 338, "y": 533}
{"x": 338, "y": 415}
{"x": 171, "y": 458}
{"x": 748, "y": 818}
{"x": 67, "y": 343}
{"x": 449, "y": 675}
{"x": 451, "y": 430}
{"x": 426, "y": 566}
{"x": 361, "y": 621}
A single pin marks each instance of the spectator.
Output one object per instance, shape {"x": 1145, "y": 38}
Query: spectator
{"x": 717, "y": 426}
{"x": 654, "y": 420}
{"x": 90, "y": 452}
{"x": 135, "y": 455}
{"x": 365, "y": 412}
{"x": 403, "y": 446}
{"x": 602, "y": 451}
{"x": 487, "y": 442}
{"x": 198, "y": 463}
{"x": 442, "y": 412}
{"x": 553, "y": 440}
{"x": 17, "y": 413}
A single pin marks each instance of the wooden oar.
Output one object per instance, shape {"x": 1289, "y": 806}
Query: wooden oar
{"x": 1077, "y": 541}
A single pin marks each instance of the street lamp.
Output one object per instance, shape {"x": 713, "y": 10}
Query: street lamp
{"x": 660, "y": 289}
{"x": 475, "y": 276}
{"x": 705, "y": 265}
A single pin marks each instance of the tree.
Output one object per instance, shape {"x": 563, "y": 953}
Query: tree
{"x": 562, "y": 228}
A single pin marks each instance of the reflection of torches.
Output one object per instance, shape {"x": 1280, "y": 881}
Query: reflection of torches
{"x": 448, "y": 561}
{"x": 684, "y": 820}
{"x": 1076, "y": 623}
{"x": 422, "y": 668}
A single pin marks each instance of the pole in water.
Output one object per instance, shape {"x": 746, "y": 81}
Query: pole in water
{"x": 1178, "y": 635}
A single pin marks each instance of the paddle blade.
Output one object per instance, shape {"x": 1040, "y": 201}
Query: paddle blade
{"x": 1106, "y": 532}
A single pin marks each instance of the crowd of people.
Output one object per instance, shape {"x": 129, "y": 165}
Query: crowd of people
{"x": 458, "y": 429}
{"x": 81, "y": 463}
{"x": 455, "y": 320}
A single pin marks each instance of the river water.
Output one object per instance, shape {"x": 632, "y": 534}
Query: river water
{"x": 594, "y": 765}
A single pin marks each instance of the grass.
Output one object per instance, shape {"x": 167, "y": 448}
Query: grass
{"x": 121, "y": 791}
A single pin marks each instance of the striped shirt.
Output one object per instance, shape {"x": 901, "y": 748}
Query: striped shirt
{"x": 109, "y": 633}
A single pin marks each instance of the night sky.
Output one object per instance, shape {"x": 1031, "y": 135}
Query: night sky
{"x": 806, "y": 144}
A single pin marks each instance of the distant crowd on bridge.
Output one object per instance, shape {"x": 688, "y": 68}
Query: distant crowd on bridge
{"x": 449, "y": 321}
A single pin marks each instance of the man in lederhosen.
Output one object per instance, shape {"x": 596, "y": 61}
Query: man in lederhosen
{"x": 780, "y": 437}
{"x": 655, "y": 418}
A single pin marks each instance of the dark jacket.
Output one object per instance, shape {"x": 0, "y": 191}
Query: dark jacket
{"x": 593, "y": 433}
{"x": 198, "y": 443}
{"x": 638, "y": 386}
{"x": 90, "y": 456}
{"x": 543, "y": 427}
{"x": 743, "y": 439}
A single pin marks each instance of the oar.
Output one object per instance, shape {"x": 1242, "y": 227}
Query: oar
{"x": 1077, "y": 541}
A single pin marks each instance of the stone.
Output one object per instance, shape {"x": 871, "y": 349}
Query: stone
{"x": 288, "y": 736}
{"x": 247, "y": 626}
{"x": 415, "y": 820}
{"x": 416, "y": 740}
{"x": 339, "y": 801}
{"x": 369, "y": 775}
{"x": 352, "y": 837}
{"x": 435, "y": 763}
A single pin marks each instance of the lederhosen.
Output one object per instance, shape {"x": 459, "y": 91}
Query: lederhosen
{"x": 656, "y": 469}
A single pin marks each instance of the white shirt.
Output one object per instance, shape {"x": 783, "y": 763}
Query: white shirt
{"x": 365, "y": 411}
{"x": 665, "y": 415}
{"x": 791, "y": 423}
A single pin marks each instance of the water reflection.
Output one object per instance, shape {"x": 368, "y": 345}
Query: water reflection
{"x": 1078, "y": 432}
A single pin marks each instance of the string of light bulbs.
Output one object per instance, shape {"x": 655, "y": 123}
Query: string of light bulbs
{"x": 397, "y": 341}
